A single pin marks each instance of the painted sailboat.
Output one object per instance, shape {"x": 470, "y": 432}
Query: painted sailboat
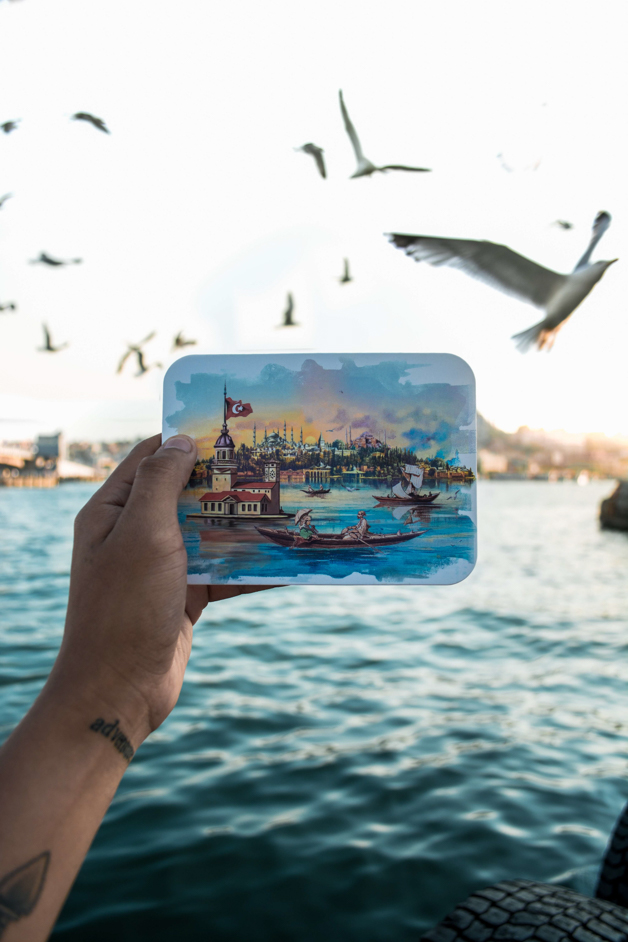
{"x": 411, "y": 494}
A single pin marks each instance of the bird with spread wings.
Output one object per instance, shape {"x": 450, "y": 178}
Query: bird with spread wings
{"x": 136, "y": 348}
{"x": 502, "y": 268}
{"x": 48, "y": 346}
{"x": 317, "y": 153}
{"x": 365, "y": 168}
{"x": 91, "y": 119}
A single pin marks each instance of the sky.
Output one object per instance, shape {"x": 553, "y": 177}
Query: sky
{"x": 196, "y": 213}
{"x": 422, "y": 404}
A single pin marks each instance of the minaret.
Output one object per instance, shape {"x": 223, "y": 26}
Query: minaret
{"x": 301, "y": 439}
{"x": 254, "y": 434}
{"x": 285, "y": 440}
{"x": 292, "y": 435}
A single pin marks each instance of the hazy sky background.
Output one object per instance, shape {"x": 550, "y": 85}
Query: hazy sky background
{"x": 196, "y": 213}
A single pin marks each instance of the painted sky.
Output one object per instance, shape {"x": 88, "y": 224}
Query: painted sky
{"x": 328, "y": 395}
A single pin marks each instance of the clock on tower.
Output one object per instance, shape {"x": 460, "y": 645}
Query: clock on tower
{"x": 271, "y": 471}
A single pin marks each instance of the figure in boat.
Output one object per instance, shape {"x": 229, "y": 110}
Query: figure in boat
{"x": 359, "y": 531}
{"x": 306, "y": 536}
{"x": 305, "y": 529}
{"x": 411, "y": 494}
{"x": 315, "y": 492}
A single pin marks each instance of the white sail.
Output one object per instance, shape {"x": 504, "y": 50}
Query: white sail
{"x": 398, "y": 491}
{"x": 417, "y": 479}
{"x": 413, "y": 469}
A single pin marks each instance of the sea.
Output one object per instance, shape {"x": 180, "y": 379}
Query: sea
{"x": 442, "y": 551}
{"x": 349, "y": 762}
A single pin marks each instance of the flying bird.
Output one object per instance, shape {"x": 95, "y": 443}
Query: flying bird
{"x": 564, "y": 224}
{"x": 179, "y": 341}
{"x": 142, "y": 368}
{"x": 137, "y": 349}
{"x": 287, "y": 314}
{"x": 9, "y": 126}
{"x": 558, "y": 295}
{"x": 49, "y": 347}
{"x": 3, "y": 199}
{"x": 346, "y": 277}
{"x": 317, "y": 154}
{"x": 97, "y": 122}
{"x": 10, "y": 306}
{"x": 365, "y": 167}
{"x": 54, "y": 262}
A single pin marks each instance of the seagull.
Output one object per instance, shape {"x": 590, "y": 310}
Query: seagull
{"x": 3, "y": 199}
{"x": 346, "y": 277}
{"x": 558, "y": 295}
{"x": 564, "y": 224}
{"x": 180, "y": 342}
{"x": 54, "y": 262}
{"x": 9, "y": 126}
{"x": 137, "y": 349}
{"x": 287, "y": 314}
{"x": 11, "y": 306}
{"x": 97, "y": 122}
{"x": 142, "y": 368}
{"x": 49, "y": 347}
{"x": 317, "y": 154}
{"x": 365, "y": 167}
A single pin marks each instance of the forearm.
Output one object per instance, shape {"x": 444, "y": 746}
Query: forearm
{"x": 58, "y": 776}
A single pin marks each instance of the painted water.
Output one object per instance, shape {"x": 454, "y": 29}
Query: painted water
{"x": 347, "y": 763}
{"x": 443, "y": 553}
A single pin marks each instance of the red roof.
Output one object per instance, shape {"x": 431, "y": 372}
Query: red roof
{"x": 256, "y": 483}
{"x": 240, "y": 496}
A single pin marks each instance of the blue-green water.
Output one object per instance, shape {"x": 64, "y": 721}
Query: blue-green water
{"x": 443, "y": 553}
{"x": 347, "y": 763}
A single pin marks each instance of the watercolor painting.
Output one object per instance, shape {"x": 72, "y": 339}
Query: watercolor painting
{"x": 327, "y": 468}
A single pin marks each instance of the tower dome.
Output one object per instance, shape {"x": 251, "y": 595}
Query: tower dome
{"x": 224, "y": 440}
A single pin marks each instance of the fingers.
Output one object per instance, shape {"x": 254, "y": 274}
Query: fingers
{"x": 99, "y": 515}
{"x": 117, "y": 487}
{"x": 151, "y": 507}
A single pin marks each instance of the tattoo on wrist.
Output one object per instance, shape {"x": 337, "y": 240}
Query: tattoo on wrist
{"x": 113, "y": 732}
{"x": 21, "y": 888}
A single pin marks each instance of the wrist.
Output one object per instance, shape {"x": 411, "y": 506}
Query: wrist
{"x": 93, "y": 707}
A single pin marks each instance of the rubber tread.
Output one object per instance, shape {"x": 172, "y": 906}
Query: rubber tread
{"x": 613, "y": 880}
{"x": 521, "y": 910}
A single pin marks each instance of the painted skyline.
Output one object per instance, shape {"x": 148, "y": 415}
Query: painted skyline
{"x": 327, "y": 395}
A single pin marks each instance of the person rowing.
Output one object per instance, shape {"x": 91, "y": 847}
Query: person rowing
{"x": 359, "y": 531}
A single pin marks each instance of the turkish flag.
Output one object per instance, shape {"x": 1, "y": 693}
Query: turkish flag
{"x": 236, "y": 408}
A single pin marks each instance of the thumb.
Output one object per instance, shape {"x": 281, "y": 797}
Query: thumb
{"x": 158, "y": 483}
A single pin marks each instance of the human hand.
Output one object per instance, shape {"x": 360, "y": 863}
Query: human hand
{"x": 128, "y": 631}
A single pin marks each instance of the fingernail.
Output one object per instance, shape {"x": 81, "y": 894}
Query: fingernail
{"x": 183, "y": 444}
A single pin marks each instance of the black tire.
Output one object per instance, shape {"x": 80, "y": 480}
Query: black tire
{"x": 519, "y": 910}
{"x": 613, "y": 881}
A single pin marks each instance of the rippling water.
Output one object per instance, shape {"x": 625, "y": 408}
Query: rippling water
{"x": 348, "y": 763}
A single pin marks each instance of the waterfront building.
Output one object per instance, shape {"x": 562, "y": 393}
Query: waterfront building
{"x": 233, "y": 498}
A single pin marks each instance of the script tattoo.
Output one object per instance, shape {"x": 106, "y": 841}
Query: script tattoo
{"x": 20, "y": 889}
{"x": 114, "y": 733}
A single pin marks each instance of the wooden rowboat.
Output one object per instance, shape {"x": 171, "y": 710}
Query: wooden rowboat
{"x": 401, "y": 501}
{"x": 335, "y": 540}
{"x": 311, "y": 492}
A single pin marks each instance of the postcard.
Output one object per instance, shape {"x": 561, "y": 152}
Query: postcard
{"x": 327, "y": 469}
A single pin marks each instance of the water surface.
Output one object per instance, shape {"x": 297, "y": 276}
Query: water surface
{"x": 348, "y": 763}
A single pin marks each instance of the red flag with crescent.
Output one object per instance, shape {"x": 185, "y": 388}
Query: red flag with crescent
{"x": 236, "y": 408}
